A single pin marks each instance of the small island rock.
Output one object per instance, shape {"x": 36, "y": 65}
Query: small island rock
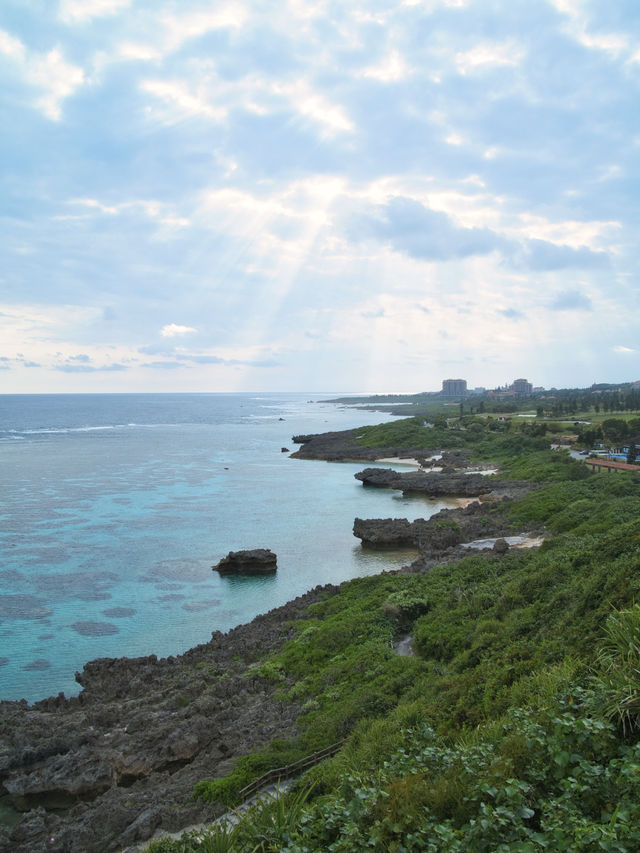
{"x": 257, "y": 561}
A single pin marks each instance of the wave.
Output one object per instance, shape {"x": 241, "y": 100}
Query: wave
{"x": 21, "y": 433}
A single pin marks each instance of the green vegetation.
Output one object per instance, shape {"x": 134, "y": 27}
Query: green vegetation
{"x": 514, "y": 727}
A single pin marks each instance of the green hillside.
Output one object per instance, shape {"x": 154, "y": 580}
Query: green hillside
{"x": 513, "y": 726}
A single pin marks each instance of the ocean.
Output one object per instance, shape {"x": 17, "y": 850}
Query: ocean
{"x": 113, "y": 509}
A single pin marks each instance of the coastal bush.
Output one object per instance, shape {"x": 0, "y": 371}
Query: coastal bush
{"x": 226, "y": 790}
{"x": 552, "y": 775}
{"x": 404, "y": 606}
{"x": 619, "y": 669}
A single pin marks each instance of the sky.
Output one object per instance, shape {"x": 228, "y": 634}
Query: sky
{"x": 309, "y": 195}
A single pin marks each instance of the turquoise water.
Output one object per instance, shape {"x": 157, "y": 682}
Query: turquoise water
{"x": 115, "y": 507}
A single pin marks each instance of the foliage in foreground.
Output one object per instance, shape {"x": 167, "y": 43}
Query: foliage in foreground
{"x": 554, "y": 776}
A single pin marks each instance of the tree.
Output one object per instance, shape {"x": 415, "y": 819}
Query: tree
{"x": 614, "y": 430}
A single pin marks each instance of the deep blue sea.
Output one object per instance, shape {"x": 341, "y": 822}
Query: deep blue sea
{"x": 113, "y": 508}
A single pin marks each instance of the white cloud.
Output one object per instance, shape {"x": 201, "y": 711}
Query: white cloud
{"x": 137, "y": 51}
{"x": 183, "y": 103}
{"x": 576, "y": 234}
{"x": 207, "y": 96}
{"x": 34, "y": 328}
{"x": 173, "y": 330}
{"x": 454, "y": 139}
{"x": 49, "y": 72}
{"x": 58, "y": 78}
{"x": 389, "y": 70}
{"x": 624, "y": 350}
{"x": 488, "y": 55}
{"x": 151, "y": 209}
{"x": 78, "y": 11}
{"x": 612, "y": 43}
{"x": 12, "y": 47}
{"x": 169, "y": 32}
{"x": 182, "y": 27}
{"x": 315, "y": 106}
{"x": 578, "y": 28}
{"x": 573, "y": 8}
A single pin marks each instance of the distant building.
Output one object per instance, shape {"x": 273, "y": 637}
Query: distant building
{"x": 521, "y": 386}
{"x": 454, "y": 387}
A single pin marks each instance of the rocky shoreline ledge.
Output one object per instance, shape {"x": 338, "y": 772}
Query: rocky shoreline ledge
{"x": 104, "y": 771}
{"x": 448, "y": 534}
{"x": 343, "y": 446}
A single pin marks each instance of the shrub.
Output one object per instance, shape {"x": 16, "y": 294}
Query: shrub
{"x": 619, "y": 669}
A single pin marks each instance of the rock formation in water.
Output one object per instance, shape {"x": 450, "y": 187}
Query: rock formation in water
{"x": 257, "y": 561}
{"x": 343, "y": 446}
{"x": 428, "y": 483}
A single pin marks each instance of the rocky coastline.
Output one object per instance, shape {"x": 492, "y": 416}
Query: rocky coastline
{"x": 104, "y": 770}
{"x": 107, "y": 769}
{"x": 342, "y": 446}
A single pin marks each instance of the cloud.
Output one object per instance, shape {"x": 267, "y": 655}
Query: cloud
{"x": 213, "y": 359}
{"x": 487, "y": 56}
{"x": 164, "y": 365}
{"x": 624, "y": 350}
{"x": 511, "y": 313}
{"x": 79, "y": 11}
{"x": 276, "y": 174}
{"x": 571, "y": 300}
{"x": 89, "y": 368}
{"x": 540, "y": 255}
{"x": 179, "y": 28}
{"x": 184, "y": 103}
{"x": 582, "y": 26}
{"x": 415, "y": 230}
{"x": 48, "y": 72}
{"x": 12, "y": 47}
{"x": 173, "y": 330}
{"x": 390, "y": 69}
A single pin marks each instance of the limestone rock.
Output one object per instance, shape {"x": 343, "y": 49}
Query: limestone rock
{"x": 257, "y": 561}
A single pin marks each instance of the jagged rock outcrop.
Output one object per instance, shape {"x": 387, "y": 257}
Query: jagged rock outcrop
{"x": 343, "y": 446}
{"x": 441, "y": 537}
{"x": 385, "y": 532}
{"x": 438, "y": 484}
{"x": 123, "y": 756}
{"x": 445, "y": 529}
{"x": 257, "y": 561}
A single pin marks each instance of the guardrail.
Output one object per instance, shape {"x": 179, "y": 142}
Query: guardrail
{"x": 289, "y": 770}
{"x": 611, "y": 466}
